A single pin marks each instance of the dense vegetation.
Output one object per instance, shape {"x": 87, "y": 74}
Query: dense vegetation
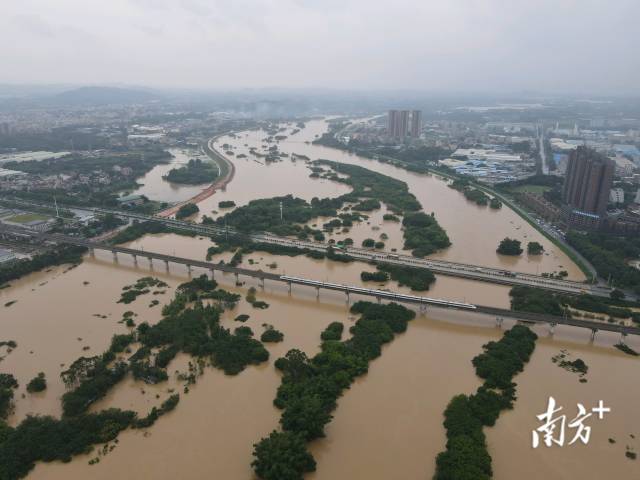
{"x": 534, "y": 248}
{"x": 417, "y": 279}
{"x": 310, "y": 388}
{"x": 37, "y": 383}
{"x": 7, "y": 385}
{"x": 226, "y": 204}
{"x": 140, "y": 229}
{"x": 466, "y": 456}
{"x": 186, "y": 210}
{"x": 193, "y": 329}
{"x": 194, "y": 173}
{"x": 282, "y": 456}
{"x": 369, "y": 189}
{"x": 535, "y": 300}
{"x": 422, "y": 232}
{"x": 48, "y": 439}
{"x": 495, "y": 203}
{"x": 509, "y": 246}
{"x": 372, "y": 185}
{"x": 423, "y": 235}
{"x": 374, "y": 276}
{"x": 271, "y": 335}
{"x": 609, "y": 255}
{"x": 56, "y": 256}
{"x": 332, "y": 332}
{"x": 264, "y": 214}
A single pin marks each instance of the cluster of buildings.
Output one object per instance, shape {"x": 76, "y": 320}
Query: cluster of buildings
{"x": 404, "y": 123}
{"x": 490, "y": 163}
{"x": 588, "y": 199}
{"x": 15, "y": 180}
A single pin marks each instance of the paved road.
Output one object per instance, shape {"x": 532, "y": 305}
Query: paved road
{"x": 423, "y": 302}
{"x": 473, "y": 272}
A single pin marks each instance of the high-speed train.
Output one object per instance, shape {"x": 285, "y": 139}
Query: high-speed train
{"x": 380, "y": 293}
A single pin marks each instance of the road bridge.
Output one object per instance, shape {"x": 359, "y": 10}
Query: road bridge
{"x": 442, "y": 267}
{"x": 422, "y": 302}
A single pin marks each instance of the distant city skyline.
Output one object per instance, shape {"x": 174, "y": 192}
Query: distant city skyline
{"x": 567, "y": 46}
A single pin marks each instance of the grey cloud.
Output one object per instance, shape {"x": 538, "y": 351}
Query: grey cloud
{"x": 488, "y": 45}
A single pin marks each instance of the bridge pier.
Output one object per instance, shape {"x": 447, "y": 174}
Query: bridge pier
{"x": 189, "y": 269}
{"x": 135, "y": 260}
{"x": 262, "y": 283}
{"x": 379, "y": 299}
{"x": 593, "y": 334}
{"x": 289, "y": 285}
{"x": 317, "y": 293}
{"x": 347, "y": 292}
{"x": 623, "y": 336}
{"x": 150, "y": 262}
{"x": 213, "y": 274}
{"x": 166, "y": 264}
{"x": 423, "y": 308}
{"x": 552, "y": 328}
{"x": 115, "y": 256}
{"x": 92, "y": 252}
{"x": 236, "y": 274}
{"x": 499, "y": 321}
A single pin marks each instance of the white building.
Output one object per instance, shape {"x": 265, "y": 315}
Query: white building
{"x": 616, "y": 195}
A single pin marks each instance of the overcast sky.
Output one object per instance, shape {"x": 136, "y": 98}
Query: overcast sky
{"x": 431, "y": 45}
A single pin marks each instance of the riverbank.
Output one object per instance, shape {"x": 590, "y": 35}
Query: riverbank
{"x": 586, "y": 268}
{"x": 226, "y": 173}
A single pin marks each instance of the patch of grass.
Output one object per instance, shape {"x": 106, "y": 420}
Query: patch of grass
{"x": 26, "y": 217}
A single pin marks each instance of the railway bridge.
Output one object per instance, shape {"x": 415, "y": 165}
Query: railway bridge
{"x": 442, "y": 267}
{"x": 422, "y": 302}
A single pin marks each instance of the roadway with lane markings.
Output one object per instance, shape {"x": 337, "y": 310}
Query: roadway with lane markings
{"x": 473, "y": 272}
{"x": 423, "y": 302}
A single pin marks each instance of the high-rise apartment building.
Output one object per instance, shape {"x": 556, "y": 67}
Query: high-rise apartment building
{"x": 587, "y": 185}
{"x": 401, "y": 123}
{"x": 393, "y": 123}
{"x": 416, "y": 123}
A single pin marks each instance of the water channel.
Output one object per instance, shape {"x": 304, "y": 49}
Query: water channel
{"x": 389, "y": 424}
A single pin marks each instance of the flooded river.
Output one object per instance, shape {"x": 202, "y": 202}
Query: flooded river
{"x": 389, "y": 424}
{"x": 154, "y": 187}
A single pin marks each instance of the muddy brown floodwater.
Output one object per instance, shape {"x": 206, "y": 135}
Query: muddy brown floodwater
{"x": 389, "y": 423}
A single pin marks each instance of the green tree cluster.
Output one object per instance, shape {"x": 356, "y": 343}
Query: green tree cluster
{"x": 194, "y": 173}
{"x": 271, "y": 335}
{"x": 374, "y": 276}
{"x": 417, "y": 279}
{"x": 8, "y": 384}
{"x": 534, "y": 248}
{"x": 311, "y": 387}
{"x": 37, "y": 383}
{"x": 466, "y": 456}
{"x": 187, "y": 210}
{"x": 423, "y": 235}
{"x": 56, "y": 256}
{"x": 509, "y": 246}
{"x": 332, "y": 332}
{"x": 609, "y": 255}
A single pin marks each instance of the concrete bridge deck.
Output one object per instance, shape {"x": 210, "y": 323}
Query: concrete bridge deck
{"x": 380, "y": 295}
{"x": 456, "y": 269}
